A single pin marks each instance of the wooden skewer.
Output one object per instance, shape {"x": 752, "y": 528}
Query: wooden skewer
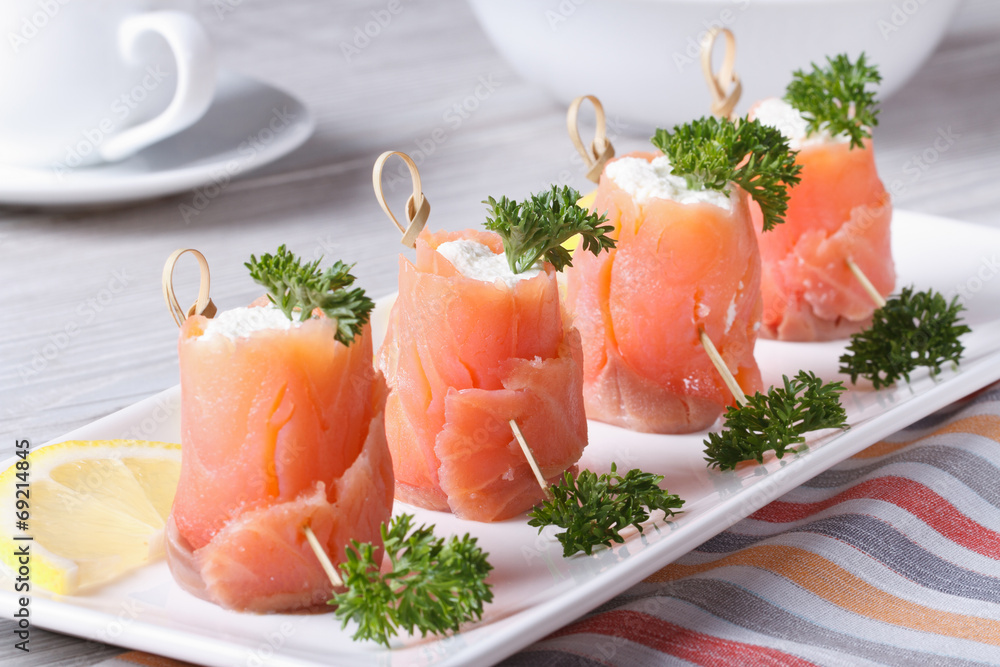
{"x": 720, "y": 366}
{"x": 723, "y": 102}
{"x": 600, "y": 150}
{"x": 324, "y": 560}
{"x": 867, "y": 284}
{"x": 204, "y": 305}
{"x": 530, "y": 455}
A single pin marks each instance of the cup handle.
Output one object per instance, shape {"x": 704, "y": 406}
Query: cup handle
{"x": 195, "y": 79}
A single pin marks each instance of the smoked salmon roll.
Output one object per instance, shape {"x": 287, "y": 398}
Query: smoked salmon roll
{"x": 470, "y": 346}
{"x": 686, "y": 265}
{"x": 281, "y": 426}
{"x": 839, "y": 210}
{"x": 685, "y": 262}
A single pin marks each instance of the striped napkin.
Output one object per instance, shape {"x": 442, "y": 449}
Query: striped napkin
{"x": 134, "y": 658}
{"x": 891, "y": 557}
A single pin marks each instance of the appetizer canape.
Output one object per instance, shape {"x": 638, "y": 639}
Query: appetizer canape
{"x": 281, "y": 428}
{"x": 477, "y": 338}
{"x": 839, "y": 213}
{"x": 686, "y": 266}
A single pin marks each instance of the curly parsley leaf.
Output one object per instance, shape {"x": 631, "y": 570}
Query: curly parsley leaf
{"x": 536, "y": 228}
{"x": 710, "y": 153}
{"x": 433, "y": 584}
{"x": 912, "y": 330}
{"x": 292, "y": 285}
{"x": 837, "y": 98}
{"x": 594, "y": 509}
{"x": 776, "y": 420}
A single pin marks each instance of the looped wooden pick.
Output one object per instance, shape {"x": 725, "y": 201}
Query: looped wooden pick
{"x": 600, "y": 150}
{"x": 417, "y": 206}
{"x": 204, "y": 305}
{"x": 723, "y": 103}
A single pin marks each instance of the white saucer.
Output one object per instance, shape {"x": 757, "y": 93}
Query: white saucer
{"x": 248, "y": 125}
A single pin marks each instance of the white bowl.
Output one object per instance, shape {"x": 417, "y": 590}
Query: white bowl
{"x": 641, "y": 57}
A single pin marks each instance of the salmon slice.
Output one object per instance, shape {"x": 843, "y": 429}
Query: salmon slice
{"x": 483, "y": 471}
{"x": 677, "y": 269}
{"x": 260, "y": 561}
{"x": 462, "y": 357}
{"x": 277, "y": 429}
{"x": 840, "y": 209}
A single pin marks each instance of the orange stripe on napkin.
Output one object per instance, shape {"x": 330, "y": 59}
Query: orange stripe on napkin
{"x": 678, "y": 641}
{"x": 907, "y": 494}
{"x": 833, "y": 583}
{"x": 150, "y": 660}
{"x": 987, "y": 426}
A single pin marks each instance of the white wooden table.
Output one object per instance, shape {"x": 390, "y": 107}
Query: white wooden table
{"x": 85, "y": 331}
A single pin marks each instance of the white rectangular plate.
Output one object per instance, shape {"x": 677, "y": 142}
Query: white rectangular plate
{"x": 537, "y": 590}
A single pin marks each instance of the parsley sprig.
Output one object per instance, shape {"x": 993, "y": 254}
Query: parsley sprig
{"x": 292, "y": 285}
{"x": 776, "y": 420}
{"x": 710, "y": 153}
{"x": 594, "y": 509}
{"x": 836, "y": 97}
{"x": 911, "y": 330}
{"x": 535, "y": 228}
{"x": 433, "y": 584}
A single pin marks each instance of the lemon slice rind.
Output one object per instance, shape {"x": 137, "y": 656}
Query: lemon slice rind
{"x": 97, "y": 510}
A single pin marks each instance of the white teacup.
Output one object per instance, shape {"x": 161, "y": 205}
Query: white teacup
{"x": 90, "y": 81}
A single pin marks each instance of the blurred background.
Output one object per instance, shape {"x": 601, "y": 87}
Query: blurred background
{"x": 85, "y": 330}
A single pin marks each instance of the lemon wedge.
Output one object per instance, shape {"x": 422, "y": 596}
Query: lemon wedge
{"x": 95, "y": 510}
{"x": 587, "y": 202}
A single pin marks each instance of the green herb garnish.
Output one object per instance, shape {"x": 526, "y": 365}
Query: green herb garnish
{"x": 535, "y": 228}
{"x": 433, "y": 584}
{"x": 776, "y": 420}
{"x": 710, "y": 153}
{"x": 911, "y": 330}
{"x": 835, "y": 98}
{"x": 595, "y": 509}
{"x": 292, "y": 285}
